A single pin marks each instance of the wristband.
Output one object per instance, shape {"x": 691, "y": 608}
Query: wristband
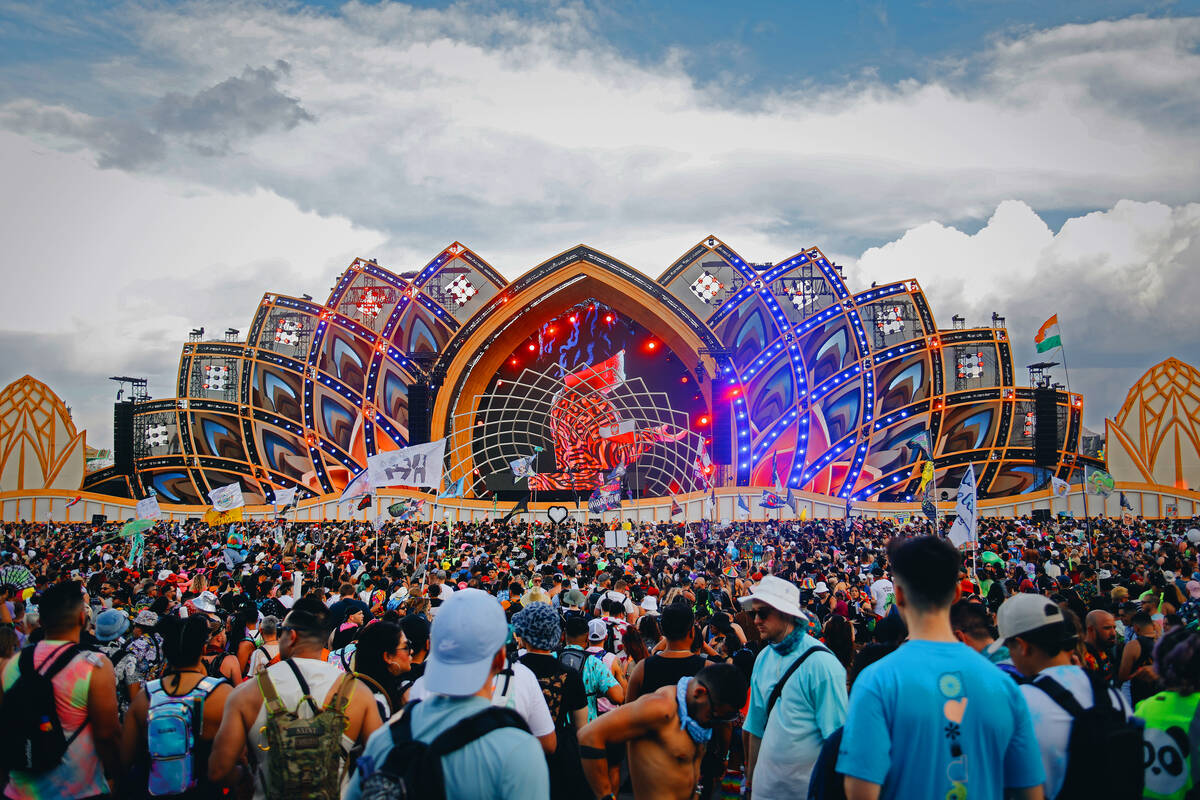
{"x": 592, "y": 752}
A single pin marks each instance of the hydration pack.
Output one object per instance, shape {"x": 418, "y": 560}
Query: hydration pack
{"x": 173, "y": 725}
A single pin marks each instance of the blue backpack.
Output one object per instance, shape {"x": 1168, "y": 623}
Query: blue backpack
{"x": 173, "y": 726}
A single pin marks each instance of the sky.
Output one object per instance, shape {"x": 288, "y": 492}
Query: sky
{"x": 165, "y": 164}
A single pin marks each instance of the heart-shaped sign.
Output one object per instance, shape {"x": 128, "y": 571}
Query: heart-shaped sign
{"x": 557, "y": 514}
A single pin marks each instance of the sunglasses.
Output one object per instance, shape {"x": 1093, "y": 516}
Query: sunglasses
{"x": 761, "y": 613}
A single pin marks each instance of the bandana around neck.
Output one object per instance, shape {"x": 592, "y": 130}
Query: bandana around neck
{"x": 694, "y": 729}
{"x": 789, "y": 642}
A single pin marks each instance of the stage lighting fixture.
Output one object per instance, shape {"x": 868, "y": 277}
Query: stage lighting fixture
{"x": 651, "y": 345}
{"x": 514, "y": 362}
{"x": 532, "y": 347}
{"x": 608, "y": 317}
{"x": 704, "y": 420}
{"x": 573, "y": 319}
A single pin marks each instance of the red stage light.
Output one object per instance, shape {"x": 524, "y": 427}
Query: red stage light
{"x": 608, "y": 317}
{"x": 553, "y": 330}
{"x": 532, "y": 347}
{"x": 683, "y": 379}
{"x": 573, "y": 319}
{"x": 513, "y": 362}
{"x": 735, "y": 392}
{"x": 704, "y": 420}
{"x": 651, "y": 345}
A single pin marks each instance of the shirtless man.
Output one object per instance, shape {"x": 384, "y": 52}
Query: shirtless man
{"x": 667, "y": 731}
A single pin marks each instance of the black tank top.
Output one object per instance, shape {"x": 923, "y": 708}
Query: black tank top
{"x": 659, "y": 671}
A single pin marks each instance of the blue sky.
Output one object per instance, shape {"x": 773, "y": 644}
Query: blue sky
{"x": 1020, "y": 157}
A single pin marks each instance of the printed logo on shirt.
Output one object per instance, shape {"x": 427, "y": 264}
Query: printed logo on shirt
{"x": 954, "y": 709}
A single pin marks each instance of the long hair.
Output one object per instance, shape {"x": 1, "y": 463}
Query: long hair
{"x": 1177, "y": 660}
{"x": 635, "y": 646}
{"x": 839, "y": 637}
{"x": 374, "y": 641}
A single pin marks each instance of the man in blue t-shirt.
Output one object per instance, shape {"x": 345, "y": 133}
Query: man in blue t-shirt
{"x": 936, "y": 719}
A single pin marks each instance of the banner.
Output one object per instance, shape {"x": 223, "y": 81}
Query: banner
{"x": 922, "y": 444}
{"x": 227, "y": 498}
{"x": 522, "y": 467}
{"x": 926, "y": 476}
{"x": 216, "y": 519}
{"x": 148, "y": 508}
{"x": 603, "y": 377}
{"x": 285, "y": 497}
{"x": 742, "y": 508}
{"x": 622, "y": 432}
{"x": 617, "y": 539}
{"x": 453, "y": 488}
{"x": 963, "y": 530}
{"x": 676, "y": 509}
{"x": 419, "y": 465}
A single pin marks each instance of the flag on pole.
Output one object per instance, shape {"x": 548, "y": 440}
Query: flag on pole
{"x": 285, "y": 497}
{"x": 926, "y": 476}
{"x": 416, "y": 465}
{"x": 1125, "y": 503}
{"x": 963, "y": 530}
{"x": 1048, "y": 337}
{"x": 922, "y": 444}
{"x": 233, "y": 538}
{"x": 775, "y": 475}
{"x": 928, "y": 506}
{"x": 148, "y": 508}
{"x": 227, "y": 498}
{"x": 1098, "y": 482}
{"x": 74, "y": 500}
{"x": 1059, "y": 487}
{"x": 676, "y": 509}
{"x": 523, "y": 467}
{"x": 741, "y": 505}
{"x": 453, "y": 488}
{"x": 359, "y": 485}
{"x": 710, "y": 504}
{"x": 804, "y": 514}
{"x": 519, "y": 508}
{"x": 770, "y": 499}
{"x": 790, "y": 500}
{"x": 365, "y": 502}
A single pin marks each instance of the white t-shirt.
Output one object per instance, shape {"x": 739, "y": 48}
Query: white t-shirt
{"x": 258, "y": 660}
{"x": 524, "y": 696}
{"x": 1052, "y": 723}
{"x": 881, "y": 590}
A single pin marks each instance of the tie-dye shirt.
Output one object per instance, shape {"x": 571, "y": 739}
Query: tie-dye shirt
{"x": 80, "y": 773}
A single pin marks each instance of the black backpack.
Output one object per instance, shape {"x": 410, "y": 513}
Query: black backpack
{"x": 412, "y": 770}
{"x": 32, "y": 740}
{"x": 1102, "y": 740}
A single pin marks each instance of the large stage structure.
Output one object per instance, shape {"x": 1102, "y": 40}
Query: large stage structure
{"x": 730, "y": 373}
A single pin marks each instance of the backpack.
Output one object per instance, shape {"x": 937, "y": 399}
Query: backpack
{"x": 412, "y": 770}
{"x": 32, "y": 739}
{"x": 1102, "y": 740}
{"x": 173, "y": 725}
{"x": 304, "y": 755}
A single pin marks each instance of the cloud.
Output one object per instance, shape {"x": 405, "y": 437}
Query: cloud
{"x": 1123, "y": 282}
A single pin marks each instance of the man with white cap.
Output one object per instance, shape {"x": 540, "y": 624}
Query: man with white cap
{"x": 1041, "y": 641}
{"x": 466, "y": 653}
{"x": 797, "y": 694}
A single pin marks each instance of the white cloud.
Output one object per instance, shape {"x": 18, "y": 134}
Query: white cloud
{"x": 116, "y": 268}
{"x": 1122, "y": 281}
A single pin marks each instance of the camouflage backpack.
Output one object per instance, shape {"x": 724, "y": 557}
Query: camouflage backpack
{"x": 304, "y": 754}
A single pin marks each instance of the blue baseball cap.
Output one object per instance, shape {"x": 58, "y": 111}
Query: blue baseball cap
{"x": 467, "y": 632}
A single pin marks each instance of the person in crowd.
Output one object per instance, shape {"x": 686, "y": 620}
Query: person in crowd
{"x": 302, "y": 682}
{"x": 416, "y": 631}
{"x": 381, "y": 658}
{"x": 667, "y": 733}
{"x": 1099, "y": 640}
{"x": 674, "y": 661}
{"x": 267, "y": 652}
{"x": 85, "y": 699}
{"x": 972, "y": 625}
{"x": 1041, "y": 641}
{"x": 1136, "y": 668}
{"x": 908, "y": 732}
{"x": 1171, "y": 717}
{"x": 218, "y": 661}
{"x": 184, "y": 679}
{"x": 539, "y": 632}
{"x": 797, "y": 694}
{"x": 467, "y": 652}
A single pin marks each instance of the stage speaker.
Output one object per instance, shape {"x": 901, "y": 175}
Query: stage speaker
{"x": 123, "y": 437}
{"x": 418, "y": 413}
{"x": 99, "y": 519}
{"x": 1041, "y": 515}
{"x": 722, "y": 425}
{"x": 1045, "y": 427}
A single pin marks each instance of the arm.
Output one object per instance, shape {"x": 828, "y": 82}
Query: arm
{"x": 230, "y": 743}
{"x": 549, "y": 743}
{"x": 623, "y": 724}
{"x": 579, "y": 718}
{"x": 858, "y": 789}
{"x": 750, "y": 744}
{"x": 231, "y": 669}
{"x": 133, "y": 731}
{"x": 244, "y": 651}
{"x": 634, "y": 689}
{"x": 102, "y": 715}
{"x": 1132, "y": 652}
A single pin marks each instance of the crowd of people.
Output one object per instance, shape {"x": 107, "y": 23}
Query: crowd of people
{"x": 782, "y": 659}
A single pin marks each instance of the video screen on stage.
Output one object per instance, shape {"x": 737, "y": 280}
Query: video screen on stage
{"x": 595, "y": 390}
